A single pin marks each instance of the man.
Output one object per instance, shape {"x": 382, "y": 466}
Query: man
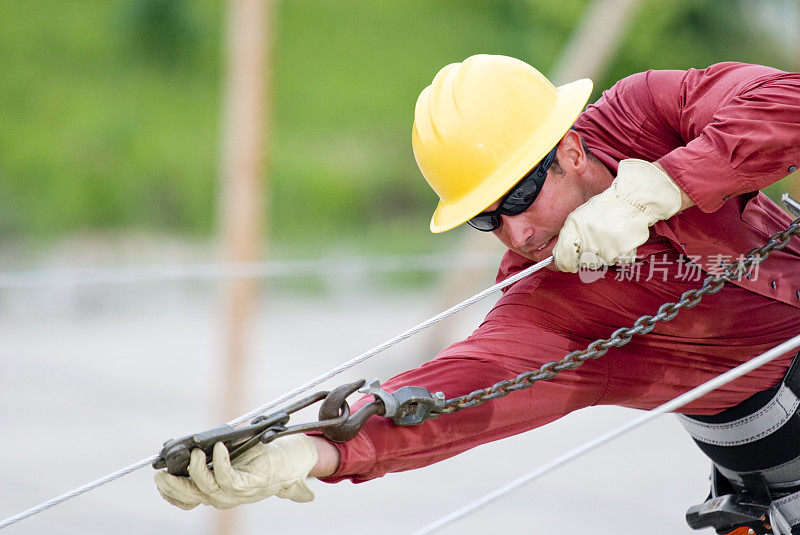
{"x": 658, "y": 178}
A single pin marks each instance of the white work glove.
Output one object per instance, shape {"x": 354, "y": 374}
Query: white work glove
{"x": 609, "y": 227}
{"x": 279, "y": 468}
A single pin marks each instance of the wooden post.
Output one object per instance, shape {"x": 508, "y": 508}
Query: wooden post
{"x": 242, "y": 189}
{"x": 597, "y": 36}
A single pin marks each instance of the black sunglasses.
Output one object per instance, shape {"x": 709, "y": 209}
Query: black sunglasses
{"x": 518, "y": 199}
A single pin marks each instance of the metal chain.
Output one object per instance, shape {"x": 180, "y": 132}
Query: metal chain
{"x": 711, "y": 285}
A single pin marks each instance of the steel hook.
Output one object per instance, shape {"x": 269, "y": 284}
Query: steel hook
{"x": 332, "y": 405}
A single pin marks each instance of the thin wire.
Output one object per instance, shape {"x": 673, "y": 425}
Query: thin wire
{"x": 75, "y": 492}
{"x": 297, "y": 391}
{"x": 670, "y": 406}
{"x": 394, "y": 341}
{"x": 56, "y": 278}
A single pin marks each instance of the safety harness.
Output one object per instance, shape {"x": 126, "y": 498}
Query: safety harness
{"x": 755, "y": 450}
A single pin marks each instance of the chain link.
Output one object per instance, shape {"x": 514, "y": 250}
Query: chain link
{"x": 690, "y": 298}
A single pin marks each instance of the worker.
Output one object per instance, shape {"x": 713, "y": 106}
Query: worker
{"x": 657, "y": 180}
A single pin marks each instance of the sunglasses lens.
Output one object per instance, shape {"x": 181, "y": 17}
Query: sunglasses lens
{"x": 521, "y": 198}
{"x": 517, "y": 200}
{"x": 485, "y": 222}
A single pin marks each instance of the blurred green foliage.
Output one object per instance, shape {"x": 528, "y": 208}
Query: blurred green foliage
{"x": 111, "y": 109}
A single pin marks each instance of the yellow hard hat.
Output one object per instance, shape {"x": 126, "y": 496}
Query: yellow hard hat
{"x": 482, "y": 125}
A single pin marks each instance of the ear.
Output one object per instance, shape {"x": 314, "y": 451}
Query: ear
{"x": 571, "y": 154}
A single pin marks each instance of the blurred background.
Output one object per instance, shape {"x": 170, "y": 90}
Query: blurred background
{"x": 151, "y": 149}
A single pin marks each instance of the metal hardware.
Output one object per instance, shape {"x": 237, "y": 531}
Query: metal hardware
{"x": 390, "y": 404}
{"x": 417, "y": 404}
{"x": 175, "y": 454}
{"x": 730, "y": 511}
{"x": 412, "y": 405}
{"x": 350, "y": 428}
{"x": 791, "y": 205}
{"x": 409, "y": 405}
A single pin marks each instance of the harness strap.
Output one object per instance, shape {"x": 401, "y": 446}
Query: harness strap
{"x": 789, "y": 509}
{"x": 757, "y": 436}
{"x": 747, "y": 429}
{"x": 755, "y": 448}
{"x": 782, "y": 479}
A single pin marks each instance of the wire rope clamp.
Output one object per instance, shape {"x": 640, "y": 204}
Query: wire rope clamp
{"x": 175, "y": 454}
{"x": 409, "y": 405}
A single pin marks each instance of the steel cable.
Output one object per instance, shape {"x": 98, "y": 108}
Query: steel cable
{"x": 669, "y": 406}
{"x": 291, "y": 394}
{"x": 76, "y": 492}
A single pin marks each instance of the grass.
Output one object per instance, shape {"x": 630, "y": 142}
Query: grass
{"x": 111, "y": 108}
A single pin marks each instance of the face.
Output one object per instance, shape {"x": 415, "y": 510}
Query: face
{"x": 534, "y": 233}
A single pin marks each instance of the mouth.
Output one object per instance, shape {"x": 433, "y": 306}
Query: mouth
{"x": 535, "y": 253}
{"x": 542, "y": 246}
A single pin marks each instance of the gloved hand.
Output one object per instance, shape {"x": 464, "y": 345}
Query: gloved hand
{"x": 609, "y": 227}
{"x": 279, "y": 468}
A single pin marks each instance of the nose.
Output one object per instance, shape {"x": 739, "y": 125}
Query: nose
{"x": 515, "y": 230}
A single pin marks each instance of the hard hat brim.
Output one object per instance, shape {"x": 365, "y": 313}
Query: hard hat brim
{"x": 571, "y": 99}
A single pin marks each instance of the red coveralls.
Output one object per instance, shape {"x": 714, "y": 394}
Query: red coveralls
{"x": 721, "y": 133}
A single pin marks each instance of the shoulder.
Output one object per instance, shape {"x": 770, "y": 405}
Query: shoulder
{"x": 655, "y": 82}
{"x": 723, "y": 81}
{"x": 641, "y": 84}
{"x": 732, "y": 69}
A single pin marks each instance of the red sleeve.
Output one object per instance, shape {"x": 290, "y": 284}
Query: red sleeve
{"x": 740, "y": 125}
{"x": 506, "y": 344}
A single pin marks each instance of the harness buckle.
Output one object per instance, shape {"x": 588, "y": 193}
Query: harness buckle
{"x": 731, "y": 511}
{"x": 728, "y": 513}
